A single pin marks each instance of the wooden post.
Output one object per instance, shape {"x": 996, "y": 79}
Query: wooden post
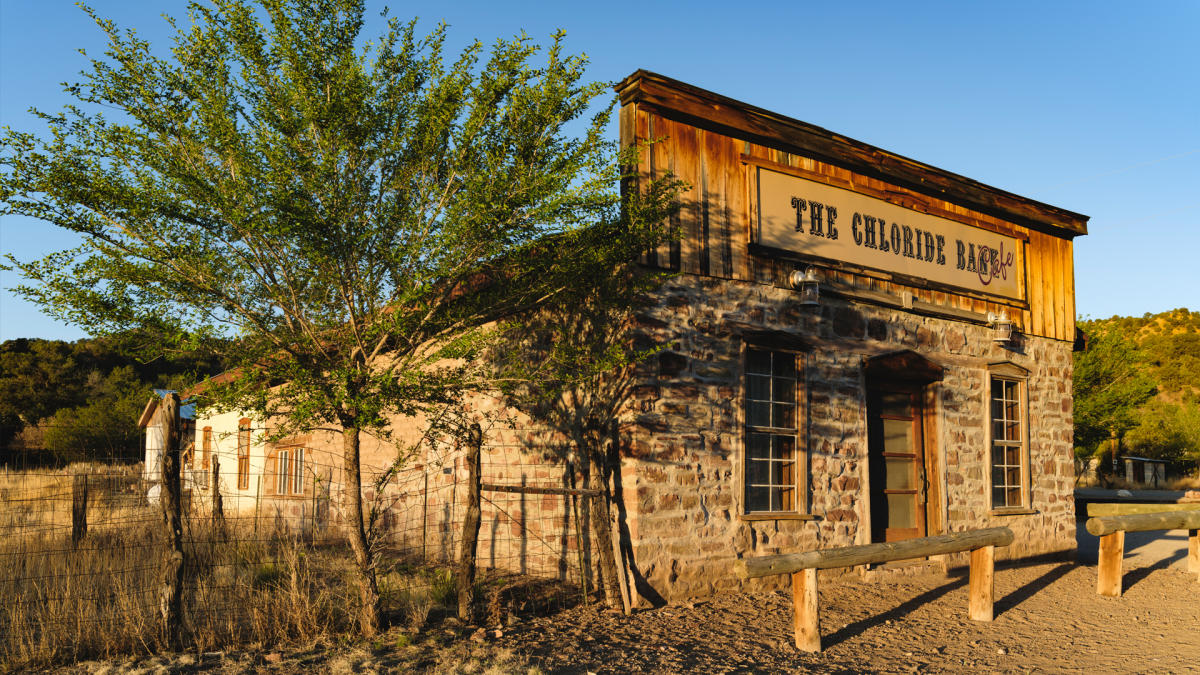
{"x": 170, "y": 594}
{"x": 466, "y": 563}
{"x": 806, "y": 620}
{"x": 257, "y": 500}
{"x": 583, "y": 570}
{"x": 218, "y": 508}
{"x": 425, "y": 515}
{"x": 79, "y": 504}
{"x": 982, "y": 583}
{"x": 1194, "y": 551}
{"x": 1108, "y": 572}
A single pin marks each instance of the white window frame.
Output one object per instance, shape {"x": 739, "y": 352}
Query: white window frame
{"x": 799, "y": 418}
{"x": 1013, "y": 374}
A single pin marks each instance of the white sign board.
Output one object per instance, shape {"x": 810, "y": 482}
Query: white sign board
{"x": 804, "y": 216}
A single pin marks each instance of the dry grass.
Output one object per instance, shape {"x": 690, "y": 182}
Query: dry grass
{"x": 98, "y": 598}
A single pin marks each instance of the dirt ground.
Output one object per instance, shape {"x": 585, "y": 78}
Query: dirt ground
{"x": 1049, "y": 619}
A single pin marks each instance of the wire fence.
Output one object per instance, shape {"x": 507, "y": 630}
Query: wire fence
{"x": 83, "y": 550}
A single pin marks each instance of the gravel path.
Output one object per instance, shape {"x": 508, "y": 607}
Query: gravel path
{"x": 1049, "y": 620}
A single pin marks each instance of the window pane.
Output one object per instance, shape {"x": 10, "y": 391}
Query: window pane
{"x": 758, "y": 446}
{"x": 758, "y": 414}
{"x": 895, "y": 405}
{"x": 786, "y": 500}
{"x": 758, "y": 387}
{"x": 1012, "y": 431}
{"x": 998, "y": 497}
{"x": 785, "y": 390}
{"x": 785, "y": 447}
{"x": 902, "y": 511}
{"x": 785, "y": 416}
{"x": 897, "y": 436}
{"x": 785, "y": 365}
{"x": 758, "y": 361}
{"x": 757, "y": 499}
{"x": 758, "y": 473}
{"x": 1012, "y": 456}
{"x": 899, "y": 473}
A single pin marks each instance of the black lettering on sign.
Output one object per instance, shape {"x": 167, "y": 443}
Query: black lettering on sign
{"x": 855, "y": 223}
{"x": 971, "y": 258}
{"x": 799, "y": 205}
{"x": 814, "y": 217}
{"x": 962, "y": 254}
{"x": 917, "y": 239}
{"x": 941, "y": 243}
{"x": 870, "y": 235}
{"x": 830, "y": 216}
{"x": 908, "y": 247}
{"x": 895, "y": 239}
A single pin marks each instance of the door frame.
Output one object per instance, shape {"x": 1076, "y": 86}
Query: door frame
{"x": 906, "y": 371}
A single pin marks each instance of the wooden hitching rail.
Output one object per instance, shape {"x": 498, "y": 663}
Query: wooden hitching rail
{"x": 1112, "y": 529}
{"x": 803, "y": 568}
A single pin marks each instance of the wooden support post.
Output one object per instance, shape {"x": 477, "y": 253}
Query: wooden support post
{"x": 982, "y": 583}
{"x": 806, "y": 621}
{"x": 1108, "y": 571}
{"x": 79, "y": 505}
{"x": 470, "y": 538}
{"x": 171, "y": 593}
{"x": 1194, "y": 551}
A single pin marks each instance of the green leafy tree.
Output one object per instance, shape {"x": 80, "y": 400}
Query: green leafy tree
{"x": 354, "y": 216}
{"x": 1109, "y": 385}
{"x": 1168, "y": 431}
{"x": 106, "y": 425}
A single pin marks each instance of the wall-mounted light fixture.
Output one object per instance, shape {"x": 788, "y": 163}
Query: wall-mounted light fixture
{"x": 1002, "y": 327}
{"x": 806, "y": 282}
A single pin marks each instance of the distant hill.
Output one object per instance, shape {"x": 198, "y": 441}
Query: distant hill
{"x": 1140, "y": 377}
{"x": 68, "y": 401}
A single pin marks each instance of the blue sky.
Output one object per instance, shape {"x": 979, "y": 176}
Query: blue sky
{"x": 1093, "y": 107}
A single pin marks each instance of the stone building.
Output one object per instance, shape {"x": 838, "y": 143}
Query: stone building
{"x": 858, "y": 347}
{"x": 864, "y": 348}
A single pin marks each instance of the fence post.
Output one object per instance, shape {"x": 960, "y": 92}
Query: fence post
{"x": 982, "y": 584}
{"x": 466, "y": 565}
{"x": 170, "y": 595}
{"x": 79, "y": 504}
{"x": 806, "y": 621}
{"x": 218, "y": 507}
{"x": 1108, "y": 568}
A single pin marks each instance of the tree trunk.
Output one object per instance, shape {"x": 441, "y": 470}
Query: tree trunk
{"x": 470, "y": 536}
{"x": 602, "y": 541}
{"x": 363, "y": 555}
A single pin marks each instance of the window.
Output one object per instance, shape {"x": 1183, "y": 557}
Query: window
{"x": 243, "y": 454}
{"x": 284, "y": 475}
{"x": 285, "y": 469}
{"x": 298, "y": 471}
{"x": 1009, "y": 449}
{"x": 206, "y": 448}
{"x": 773, "y": 467}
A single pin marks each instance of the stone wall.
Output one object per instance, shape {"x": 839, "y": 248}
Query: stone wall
{"x": 681, "y": 460}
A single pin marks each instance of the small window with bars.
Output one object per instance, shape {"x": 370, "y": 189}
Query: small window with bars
{"x": 286, "y": 467}
{"x": 1008, "y": 443}
{"x": 772, "y": 457}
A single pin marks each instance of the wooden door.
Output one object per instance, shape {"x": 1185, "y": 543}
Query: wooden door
{"x": 897, "y": 464}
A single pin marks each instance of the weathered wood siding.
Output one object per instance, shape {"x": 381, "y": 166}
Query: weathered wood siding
{"x": 716, "y": 212}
